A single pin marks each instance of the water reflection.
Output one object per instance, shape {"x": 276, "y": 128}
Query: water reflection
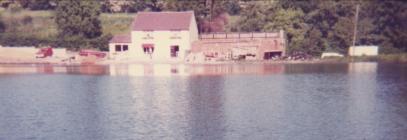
{"x": 362, "y": 67}
{"x": 362, "y": 88}
{"x": 186, "y": 70}
{"x": 146, "y": 69}
{"x": 206, "y": 116}
{"x": 287, "y": 101}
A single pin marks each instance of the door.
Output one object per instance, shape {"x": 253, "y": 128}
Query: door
{"x": 174, "y": 51}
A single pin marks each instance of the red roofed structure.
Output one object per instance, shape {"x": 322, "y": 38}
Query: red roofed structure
{"x": 121, "y": 39}
{"x": 157, "y": 36}
{"x": 162, "y": 21}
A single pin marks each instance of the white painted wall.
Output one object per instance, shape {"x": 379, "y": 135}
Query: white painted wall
{"x": 113, "y": 54}
{"x": 162, "y": 40}
{"x": 363, "y": 50}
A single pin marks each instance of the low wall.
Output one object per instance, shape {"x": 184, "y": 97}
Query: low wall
{"x": 18, "y": 52}
{"x": 59, "y": 53}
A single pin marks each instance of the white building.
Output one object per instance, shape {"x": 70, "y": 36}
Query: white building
{"x": 363, "y": 50}
{"x": 160, "y": 36}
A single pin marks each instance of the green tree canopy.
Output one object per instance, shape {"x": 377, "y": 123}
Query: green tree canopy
{"x": 77, "y": 20}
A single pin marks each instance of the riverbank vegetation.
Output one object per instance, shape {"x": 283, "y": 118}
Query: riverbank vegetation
{"x": 395, "y": 57}
{"x": 312, "y": 27}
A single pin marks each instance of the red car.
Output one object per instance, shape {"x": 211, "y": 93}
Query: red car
{"x": 98, "y": 54}
{"x": 44, "y": 52}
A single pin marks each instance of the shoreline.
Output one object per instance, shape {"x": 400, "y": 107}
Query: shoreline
{"x": 316, "y": 61}
{"x": 388, "y": 58}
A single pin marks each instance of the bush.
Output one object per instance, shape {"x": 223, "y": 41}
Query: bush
{"x": 2, "y": 26}
{"x": 27, "y": 20}
{"x": 73, "y": 43}
{"x": 76, "y": 43}
{"x": 15, "y": 8}
{"x": 101, "y": 43}
{"x": 9, "y": 39}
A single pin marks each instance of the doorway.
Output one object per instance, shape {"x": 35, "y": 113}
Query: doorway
{"x": 174, "y": 51}
{"x": 271, "y": 55}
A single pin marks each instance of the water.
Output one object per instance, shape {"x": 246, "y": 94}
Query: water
{"x": 275, "y": 101}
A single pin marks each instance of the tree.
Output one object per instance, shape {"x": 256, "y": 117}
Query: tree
{"x": 292, "y": 22}
{"x": 232, "y": 6}
{"x": 77, "y": 20}
{"x": 390, "y": 27}
{"x": 37, "y": 4}
{"x": 2, "y": 26}
{"x": 253, "y": 18}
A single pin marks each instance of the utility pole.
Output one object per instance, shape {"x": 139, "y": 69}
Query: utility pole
{"x": 356, "y": 25}
{"x": 355, "y": 30}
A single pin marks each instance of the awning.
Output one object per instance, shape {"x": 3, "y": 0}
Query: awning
{"x": 148, "y": 45}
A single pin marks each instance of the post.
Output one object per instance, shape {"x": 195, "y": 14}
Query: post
{"x": 352, "y": 48}
{"x": 355, "y": 26}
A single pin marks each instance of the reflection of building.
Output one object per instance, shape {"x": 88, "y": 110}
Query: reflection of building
{"x": 191, "y": 70}
{"x": 235, "y": 69}
{"x": 157, "y": 36}
{"x": 363, "y": 50}
{"x": 362, "y": 67}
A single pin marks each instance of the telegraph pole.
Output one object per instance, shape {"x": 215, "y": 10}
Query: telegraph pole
{"x": 355, "y": 28}
{"x": 356, "y": 25}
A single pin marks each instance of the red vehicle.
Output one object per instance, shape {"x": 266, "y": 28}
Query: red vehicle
{"x": 44, "y": 52}
{"x": 98, "y": 54}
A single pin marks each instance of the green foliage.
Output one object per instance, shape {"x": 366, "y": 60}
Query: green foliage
{"x": 316, "y": 26}
{"x": 232, "y": 7}
{"x": 37, "y": 4}
{"x": 311, "y": 27}
{"x": 2, "y": 25}
{"x": 253, "y": 18}
{"x": 13, "y": 39}
{"x": 27, "y": 20}
{"x": 14, "y": 8}
{"x": 77, "y": 21}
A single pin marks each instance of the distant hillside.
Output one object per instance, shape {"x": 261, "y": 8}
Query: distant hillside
{"x": 41, "y": 23}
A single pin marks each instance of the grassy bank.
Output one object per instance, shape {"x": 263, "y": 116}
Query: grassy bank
{"x": 42, "y": 25}
{"x": 400, "y": 57}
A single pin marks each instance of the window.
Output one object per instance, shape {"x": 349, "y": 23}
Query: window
{"x": 125, "y": 47}
{"x": 148, "y": 48}
{"x": 118, "y": 48}
{"x": 174, "y": 50}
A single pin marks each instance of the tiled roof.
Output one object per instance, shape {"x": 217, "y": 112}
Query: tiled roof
{"x": 162, "y": 21}
{"x": 121, "y": 39}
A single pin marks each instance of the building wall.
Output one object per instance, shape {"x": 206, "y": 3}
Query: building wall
{"x": 113, "y": 54}
{"x": 363, "y": 50}
{"x": 193, "y": 28}
{"x": 226, "y": 46}
{"x": 162, "y": 41}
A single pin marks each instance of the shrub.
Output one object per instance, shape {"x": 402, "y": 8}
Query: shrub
{"x": 15, "y": 8}
{"x": 10, "y": 39}
{"x": 27, "y": 20}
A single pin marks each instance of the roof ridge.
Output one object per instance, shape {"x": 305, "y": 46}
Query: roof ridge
{"x": 164, "y": 20}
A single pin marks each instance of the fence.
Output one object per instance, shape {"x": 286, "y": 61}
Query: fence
{"x": 238, "y": 35}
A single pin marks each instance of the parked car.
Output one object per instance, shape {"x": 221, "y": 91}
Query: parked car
{"x": 44, "y": 52}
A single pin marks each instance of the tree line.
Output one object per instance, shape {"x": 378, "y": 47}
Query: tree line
{"x": 312, "y": 26}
